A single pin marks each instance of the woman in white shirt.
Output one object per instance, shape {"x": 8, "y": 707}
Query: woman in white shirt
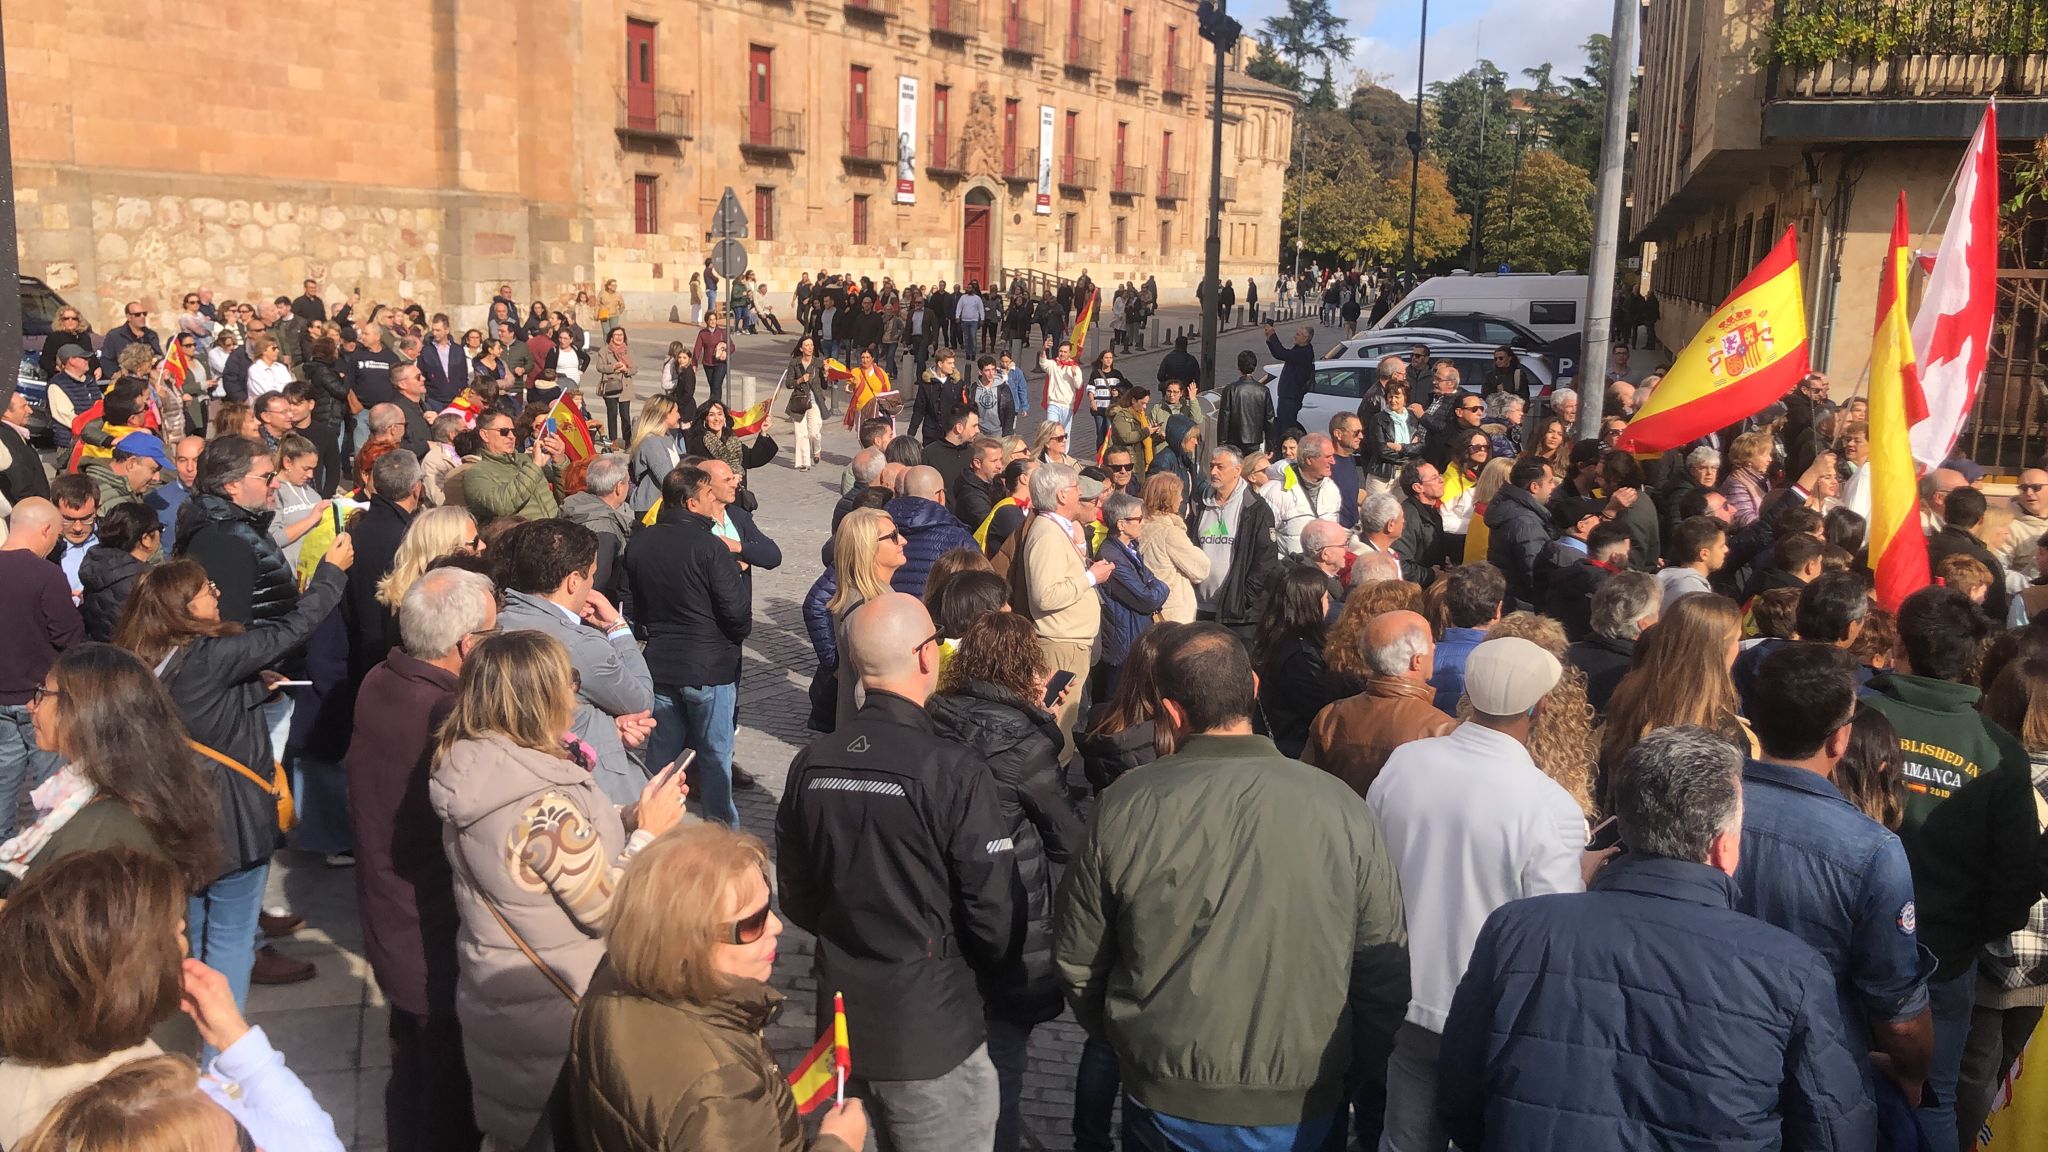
{"x": 1062, "y": 383}
{"x": 266, "y": 373}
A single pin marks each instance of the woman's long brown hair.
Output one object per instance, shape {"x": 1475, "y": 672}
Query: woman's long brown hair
{"x": 158, "y": 619}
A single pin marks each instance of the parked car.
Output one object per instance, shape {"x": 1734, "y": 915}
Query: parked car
{"x": 1389, "y": 341}
{"x": 39, "y": 306}
{"x": 1547, "y": 305}
{"x": 1340, "y": 383}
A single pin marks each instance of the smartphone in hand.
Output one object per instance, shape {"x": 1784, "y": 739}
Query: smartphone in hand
{"x": 1056, "y": 686}
{"x": 1607, "y": 835}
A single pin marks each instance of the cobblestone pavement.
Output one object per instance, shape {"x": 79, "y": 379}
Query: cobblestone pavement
{"x": 332, "y": 1029}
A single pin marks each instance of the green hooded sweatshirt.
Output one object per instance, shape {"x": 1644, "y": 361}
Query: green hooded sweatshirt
{"x": 1970, "y": 830}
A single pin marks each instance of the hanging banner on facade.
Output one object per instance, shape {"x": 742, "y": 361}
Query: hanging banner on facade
{"x": 906, "y": 140}
{"x": 1044, "y": 207}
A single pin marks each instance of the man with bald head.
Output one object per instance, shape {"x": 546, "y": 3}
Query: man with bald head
{"x": 1934, "y": 490}
{"x": 929, "y": 528}
{"x": 2029, "y": 523}
{"x": 40, "y": 621}
{"x": 891, "y": 848}
{"x": 1351, "y": 739}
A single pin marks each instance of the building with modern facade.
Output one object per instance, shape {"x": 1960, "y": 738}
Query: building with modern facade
{"x": 1753, "y": 116}
{"x": 430, "y": 150}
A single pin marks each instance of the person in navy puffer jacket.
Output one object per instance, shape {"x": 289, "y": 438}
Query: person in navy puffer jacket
{"x": 929, "y": 530}
{"x": 1646, "y": 1012}
{"x": 1131, "y": 595}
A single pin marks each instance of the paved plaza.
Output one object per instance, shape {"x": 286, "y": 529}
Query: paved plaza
{"x": 332, "y": 1029}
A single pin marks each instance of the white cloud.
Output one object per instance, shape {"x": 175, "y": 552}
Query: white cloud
{"x": 1504, "y": 33}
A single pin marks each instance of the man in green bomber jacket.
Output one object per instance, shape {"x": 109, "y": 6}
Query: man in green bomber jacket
{"x": 1233, "y": 927}
{"x": 1970, "y": 831}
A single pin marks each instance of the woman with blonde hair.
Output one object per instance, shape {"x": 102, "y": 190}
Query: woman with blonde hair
{"x": 536, "y": 849}
{"x": 667, "y": 1051}
{"x": 1015, "y": 448}
{"x": 1049, "y": 445}
{"x": 654, "y": 450}
{"x": 1680, "y": 676}
{"x": 434, "y": 533}
{"x": 866, "y": 552}
{"x": 1492, "y": 478}
{"x": 1561, "y": 738}
{"x": 1164, "y": 545}
{"x": 1743, "y": 482}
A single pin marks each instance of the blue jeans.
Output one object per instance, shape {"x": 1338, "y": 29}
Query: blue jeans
{"x": 22, "y": 764}
{"x": 320, "y": 794}
{"x": 698, "y": 718}
{"x": 1149, "y": 1131}
{"x": 1096, "y": 1084}
{"x": 220, "y": 922}
{"x": 1952, "y": 1001}
{"x": 968, "y": 347}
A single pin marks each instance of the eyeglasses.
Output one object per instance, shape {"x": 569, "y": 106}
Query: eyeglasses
{"x": 894, "y": 537}
{"x": 266, "y": 477}
{"x": 748, "y": 929}
{"x": 137, "y": 315}
{"x": 506, "y": 430}
{"x": 2032, "y": 487}
{"x": 1119, "y": 467}
{"x": 934, "y": 638}
{"x": 1060, "y": 439}
{"x": 88, "y": 518}
{"x": 38, "y": 694}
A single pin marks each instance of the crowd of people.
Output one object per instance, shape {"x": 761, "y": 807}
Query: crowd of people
{"x": 1594, "y": 799}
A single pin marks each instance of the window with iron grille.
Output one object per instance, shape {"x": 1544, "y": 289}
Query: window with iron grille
{"x": 645, "y": 220}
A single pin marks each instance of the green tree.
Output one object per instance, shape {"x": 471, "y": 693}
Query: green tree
{"x": 1308, "y": 31}
{"x": 1571, "y": 113}
{"x": 1323, "y": 96}
{"x": 1471, "y": 138}
{"x": 1268, "y": 65}
{"x": 1383, "y": 118}
{"x": 1552, "y": 203}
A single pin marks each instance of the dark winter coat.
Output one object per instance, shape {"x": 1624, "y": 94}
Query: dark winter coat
{"x": 1518, "y": 530}
{"x": 1129, "y": 598}
{"x": 215, "y": 683}
{"x": 928, "y": 532}
{"x": 1022, "y": 746}
{"x": 108, "y": 575}
{"x": 1104, "y": 758}
{"x": 692, "y": 598}
{"x": 234, "y": 545}
{"x": 1254, "y": 559}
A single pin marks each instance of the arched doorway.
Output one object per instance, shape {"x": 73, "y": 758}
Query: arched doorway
{"x": 976, "y": 225}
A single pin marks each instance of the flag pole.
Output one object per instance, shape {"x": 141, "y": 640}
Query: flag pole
{"x": 768, "y": 413}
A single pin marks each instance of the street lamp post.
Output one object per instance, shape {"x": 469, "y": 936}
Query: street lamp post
{"x": 1415, "y": 138}
{"x": 1514, "y": 179}
{"x": 1219, "y": 29}
{"x": 1479, "y": 198}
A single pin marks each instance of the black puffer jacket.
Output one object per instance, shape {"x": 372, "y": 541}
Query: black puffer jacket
{"x": 108, "y": 575}
{"x": 330, "y": 391}
{"x": 1104, "y": 758}
{"x": 233, "y": 544}
{"x": 1021, "y": 745}
{"x": 217, "y": 685}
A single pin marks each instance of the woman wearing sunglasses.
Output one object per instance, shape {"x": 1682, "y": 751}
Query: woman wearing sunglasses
{"x": 536, "y": 851}
{"x": 667, "y": 1051}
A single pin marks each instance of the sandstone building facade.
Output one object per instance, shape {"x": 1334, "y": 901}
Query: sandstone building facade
{"x": 430, "y": 150}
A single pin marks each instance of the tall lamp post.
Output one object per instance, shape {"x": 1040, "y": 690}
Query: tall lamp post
{"x": 1219, "y": 29}
{"x": 1479, "y": 199}
{"x": 1514, "y": 180}
{"x": 1415, "y": 139}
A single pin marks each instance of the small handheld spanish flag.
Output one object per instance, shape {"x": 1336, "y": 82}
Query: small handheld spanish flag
{"x": 566, "y": 421}
{"x": 827, "y": 1064}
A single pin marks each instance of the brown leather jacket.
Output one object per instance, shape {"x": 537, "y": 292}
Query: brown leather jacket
{"x": 670, "y": 1076}
{"x": 1351, "y": 739}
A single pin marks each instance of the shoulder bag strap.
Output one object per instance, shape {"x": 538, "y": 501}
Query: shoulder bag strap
{"x": 224, "y": 760}
{"x": 525, "y": 949}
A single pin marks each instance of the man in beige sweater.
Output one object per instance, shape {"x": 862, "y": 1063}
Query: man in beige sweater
{"x": 1056, "y": 588}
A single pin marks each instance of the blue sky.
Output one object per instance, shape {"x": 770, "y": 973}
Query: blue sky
{"x": 1514, "y": 34}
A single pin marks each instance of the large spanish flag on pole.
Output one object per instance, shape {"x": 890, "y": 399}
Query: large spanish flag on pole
{"x": 1084, "y": 320}
{"x": 1898, "y": 550}
{"x": 1750, "y": 352}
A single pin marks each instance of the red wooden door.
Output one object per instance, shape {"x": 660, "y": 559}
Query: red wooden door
{"x": 760, "y": 94}
{"x": 1074, "y": 29}
{"x": 1123, "y": 131}
{"x": 1073, "y": 130}
{"x": 942, "y": 124}
{"x": 1123, "y": 44}
{"x": 1172, "y": 47}
{"x": 639, "y": 74}
{"x": 857, "y": 111}
{"x": 974, "y": 244}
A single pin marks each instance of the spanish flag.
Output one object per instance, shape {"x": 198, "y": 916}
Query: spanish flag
{"x": 177, "y": 365}
{"x": 866, "y": 386}
{"x": 566, "y": 421}
{"x": 824, "y": 1070}
{"x": 1750, "y": 352}
{"x": 753, "y": 419}
{"x": 1082, "y": 322}
{"x": 1898, "y": 550}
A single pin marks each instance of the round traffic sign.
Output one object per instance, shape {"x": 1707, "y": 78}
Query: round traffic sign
{"x": 729, "y": 256}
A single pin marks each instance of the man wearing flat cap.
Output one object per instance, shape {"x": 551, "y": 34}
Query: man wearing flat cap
{"x": 1471, "y": 823}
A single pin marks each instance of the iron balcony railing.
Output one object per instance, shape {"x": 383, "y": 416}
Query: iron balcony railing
{"x": 655, "y": 113}
{"x": 1023, "y": 37}
{"x": 869, "y": 144}
{"x": 1127, "y": 180}
{"x": 956, "y": 19}
{"x": 771, "y": 131}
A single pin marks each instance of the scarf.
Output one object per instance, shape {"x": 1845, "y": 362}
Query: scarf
{"x": 56, "y": 801}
